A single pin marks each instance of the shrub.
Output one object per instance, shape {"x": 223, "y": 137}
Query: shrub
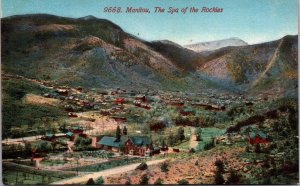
{"x": 171, "y": 139}
{"x": 90, "y": 182}
{"x": 272, "y": 114}
{"x": 142, "y": 166}
{"x": 80, "y": 141}
{"x": 266, "y": 163}
{"x": 207, "y": 121}
{"x": 219, "y": 179}
{"x": 144, "y": 180}
{"x": 128, "y": 181}
{"x": 209, "y": 145}
{"x": 42, "y": 146}
{"x": 220, "y": 166}
{"x": 247, "y": 149}
{"x": 159, "y": 181}
{"x": 187, "y": 121}
{"x": 257, "y": 148}
{"x": 233, "y": 178}
{"x": 99, "y": 181}
{"x": 164, "y": 167}
{"x": 156, "y": 125}
{"x": 183, "y": 182}
{"x": 192, "y": 150}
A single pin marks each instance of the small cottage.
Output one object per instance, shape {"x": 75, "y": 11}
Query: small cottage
{"x": 187, "y": 111}
{"x": 70, "y": 135}
{"x": 49, "y": 137}
{"x": 109, "y": 143}
{"x": 77, "y": 129}
{"x": 257, "y": 137}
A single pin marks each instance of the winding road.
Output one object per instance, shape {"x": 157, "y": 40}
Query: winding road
{"x": 117, "y": 170}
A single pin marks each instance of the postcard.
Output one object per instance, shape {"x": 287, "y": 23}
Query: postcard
{"x": 149, "y": 92}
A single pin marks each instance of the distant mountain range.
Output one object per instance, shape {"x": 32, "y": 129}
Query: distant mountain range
{"x": 214, "y": 45}
{"x": 92, "y": 52}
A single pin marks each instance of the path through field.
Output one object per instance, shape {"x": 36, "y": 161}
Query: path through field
{"x": 193, "y": 142}
{"x": 117, "y": 170}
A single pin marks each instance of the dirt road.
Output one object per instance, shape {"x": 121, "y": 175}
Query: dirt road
{"x": 117, "y": 170}
{"x": 21, "y": 141}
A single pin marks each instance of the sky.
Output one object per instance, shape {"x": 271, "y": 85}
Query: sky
{"x": 254, "y": 21}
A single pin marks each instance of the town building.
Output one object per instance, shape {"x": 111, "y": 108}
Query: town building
{"x": 133, "y": 145}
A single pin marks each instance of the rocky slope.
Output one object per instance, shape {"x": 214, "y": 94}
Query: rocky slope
{"x": 266, "y": 66}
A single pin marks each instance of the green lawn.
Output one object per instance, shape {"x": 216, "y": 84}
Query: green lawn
{"x": 53, "y": 162}
{"x": 183, "y": 145}
{"x": 207, "y": 134}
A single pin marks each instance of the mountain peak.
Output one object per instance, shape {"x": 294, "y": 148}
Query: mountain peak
{"x": 89, "y": 17}
{"x": 168, "y": 42}
{"x": 217, "y": 44}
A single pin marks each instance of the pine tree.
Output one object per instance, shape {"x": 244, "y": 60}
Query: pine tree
{"x": 124, "y": 130}
{"x": 162, "y": 143}
{"x": 118, "y": 134}
{"x": 180, "y": 134}
{"x": 171, "y": 140}
{"x": 198, "y": 132}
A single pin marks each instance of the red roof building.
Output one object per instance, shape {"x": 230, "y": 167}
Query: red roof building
{"x": 257, "y": 138}
{"x": 120, "y": 100}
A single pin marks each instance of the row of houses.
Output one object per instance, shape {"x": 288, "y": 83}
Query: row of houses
{"x": 70, "y": 133}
